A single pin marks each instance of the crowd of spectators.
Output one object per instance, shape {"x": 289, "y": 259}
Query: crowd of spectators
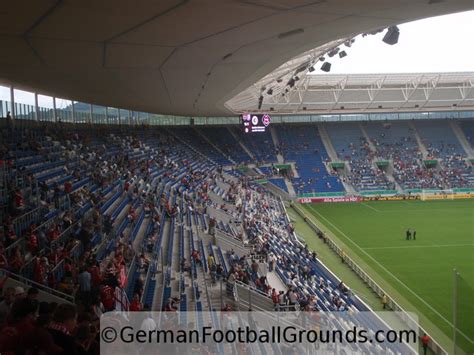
{"x": 96, "y": 283}
{"x": 364, "y": 175}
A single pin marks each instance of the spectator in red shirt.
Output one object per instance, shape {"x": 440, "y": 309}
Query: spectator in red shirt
{"x": 96, "y": 277}
{"x": 68, "y": 269}
{"x": 10, "y": 236}
{"x": 107, "y": 297}
{"x": 425, "y": 340}
{"x": 3, "y": 258}
{"x": 54, "y": 233}
{"x": 170, "y": 305}
{"x": 33, "y": 243}
{"x": 196, "y": 256}
{"x": 131, "y": 215}
{"x": 19, "y": 203}
{"x": 68, "y": 187}
{"x": 54, "y": 256}
{"x": 17, "y": 260}
{"x": 23, "y": 334}
{"x": 40, "y": 270}
{"x": 136, "y": 305}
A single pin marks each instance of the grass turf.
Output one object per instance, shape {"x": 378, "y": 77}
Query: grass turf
{"x": 421, "y": 270}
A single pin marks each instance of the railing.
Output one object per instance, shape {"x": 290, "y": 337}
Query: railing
{"x": 402, "y": 313}
{"x": 26, "y": 219}
{"x": 26, "y": 281}
{"x": 49, "y": 221}
{"x": 230, "y": 239}
{"x": 63, "y": 236}
{"x": 18, "y": 243}
{"x": 254, "y": 306}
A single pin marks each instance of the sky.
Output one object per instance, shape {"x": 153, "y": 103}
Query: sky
{"x": 437, "y": 44}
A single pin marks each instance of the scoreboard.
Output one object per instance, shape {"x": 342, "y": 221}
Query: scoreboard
{"x": 253, "y": 123}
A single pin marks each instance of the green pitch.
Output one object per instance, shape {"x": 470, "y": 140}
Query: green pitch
{"x": 420, "y": 270}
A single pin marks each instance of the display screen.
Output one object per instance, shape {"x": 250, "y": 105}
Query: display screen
{"x": 255, "y": 122}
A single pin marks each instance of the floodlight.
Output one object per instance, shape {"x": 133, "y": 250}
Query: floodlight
{"x": 391, "y": 37}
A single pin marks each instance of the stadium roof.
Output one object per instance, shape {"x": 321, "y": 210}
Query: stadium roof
{"x": 184, "y": 57}
{"x": 361, "y": 93}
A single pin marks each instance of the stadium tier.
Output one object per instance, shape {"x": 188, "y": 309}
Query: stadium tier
{"x": 231, "y": 177}
{"x": 352, "y": 146}
{"x": 303, "y": 145}
{"x": 468, "y": 129}
{"x": 225, "y": 141}
{"x": 139, "y": 211}
{"x": 261, "y": 145}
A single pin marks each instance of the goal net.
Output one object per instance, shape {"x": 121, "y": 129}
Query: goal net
{"x": 447, "y": 194}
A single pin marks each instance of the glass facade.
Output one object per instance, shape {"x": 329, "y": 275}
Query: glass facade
{"x": 24, "y": 105}
{"x": 64, "y": 110}
{"x": 45, "y": 108}
{"x": 57, "y": 109}
{"x": 82, "y": 112}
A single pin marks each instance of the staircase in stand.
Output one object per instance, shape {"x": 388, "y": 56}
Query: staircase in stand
{"x": 276, "y": 144}
{"x": 246, "y": 150}
{"x": 367, "y": 138}
{"x": 327, "y": 142}
{"x": 462, "y": 138}
{"x": 422, "y": 147}
{"x": 203, "y": 136}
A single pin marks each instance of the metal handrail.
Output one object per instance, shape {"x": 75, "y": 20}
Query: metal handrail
{"x": 26, "y": 281}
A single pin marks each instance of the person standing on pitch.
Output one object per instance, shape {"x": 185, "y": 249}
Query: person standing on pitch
{"x": 414, "y": 234}
{"x": 408, "y": 234}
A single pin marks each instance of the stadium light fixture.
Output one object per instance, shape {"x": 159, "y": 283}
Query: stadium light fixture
{"x": 326, "y": 67}
{"x": 333, "y": 52}
{"x": 349, "y": 42}
{"x": 391, "y": 37}
{"x": 270, "y": 91}
{"x": 342, "y": 54}
{"x": 311, "y": 69}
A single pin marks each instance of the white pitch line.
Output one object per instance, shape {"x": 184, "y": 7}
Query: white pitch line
{"x": 392, "y": 275}
{"x": 368, "y": 206}
{"x": 421, "y": 246}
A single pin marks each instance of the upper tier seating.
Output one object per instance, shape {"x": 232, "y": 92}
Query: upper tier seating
{"x": 351, "y": 145}
{"x": 439, "y": 139}
{"x": 190, "y": 136}
{"x": 468, "y": 129}
{"x": 396, "y": 141}
{"x": 225, "y": 141}
{"x": 302, "y": 144}
{"x": 260, "y": 144}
